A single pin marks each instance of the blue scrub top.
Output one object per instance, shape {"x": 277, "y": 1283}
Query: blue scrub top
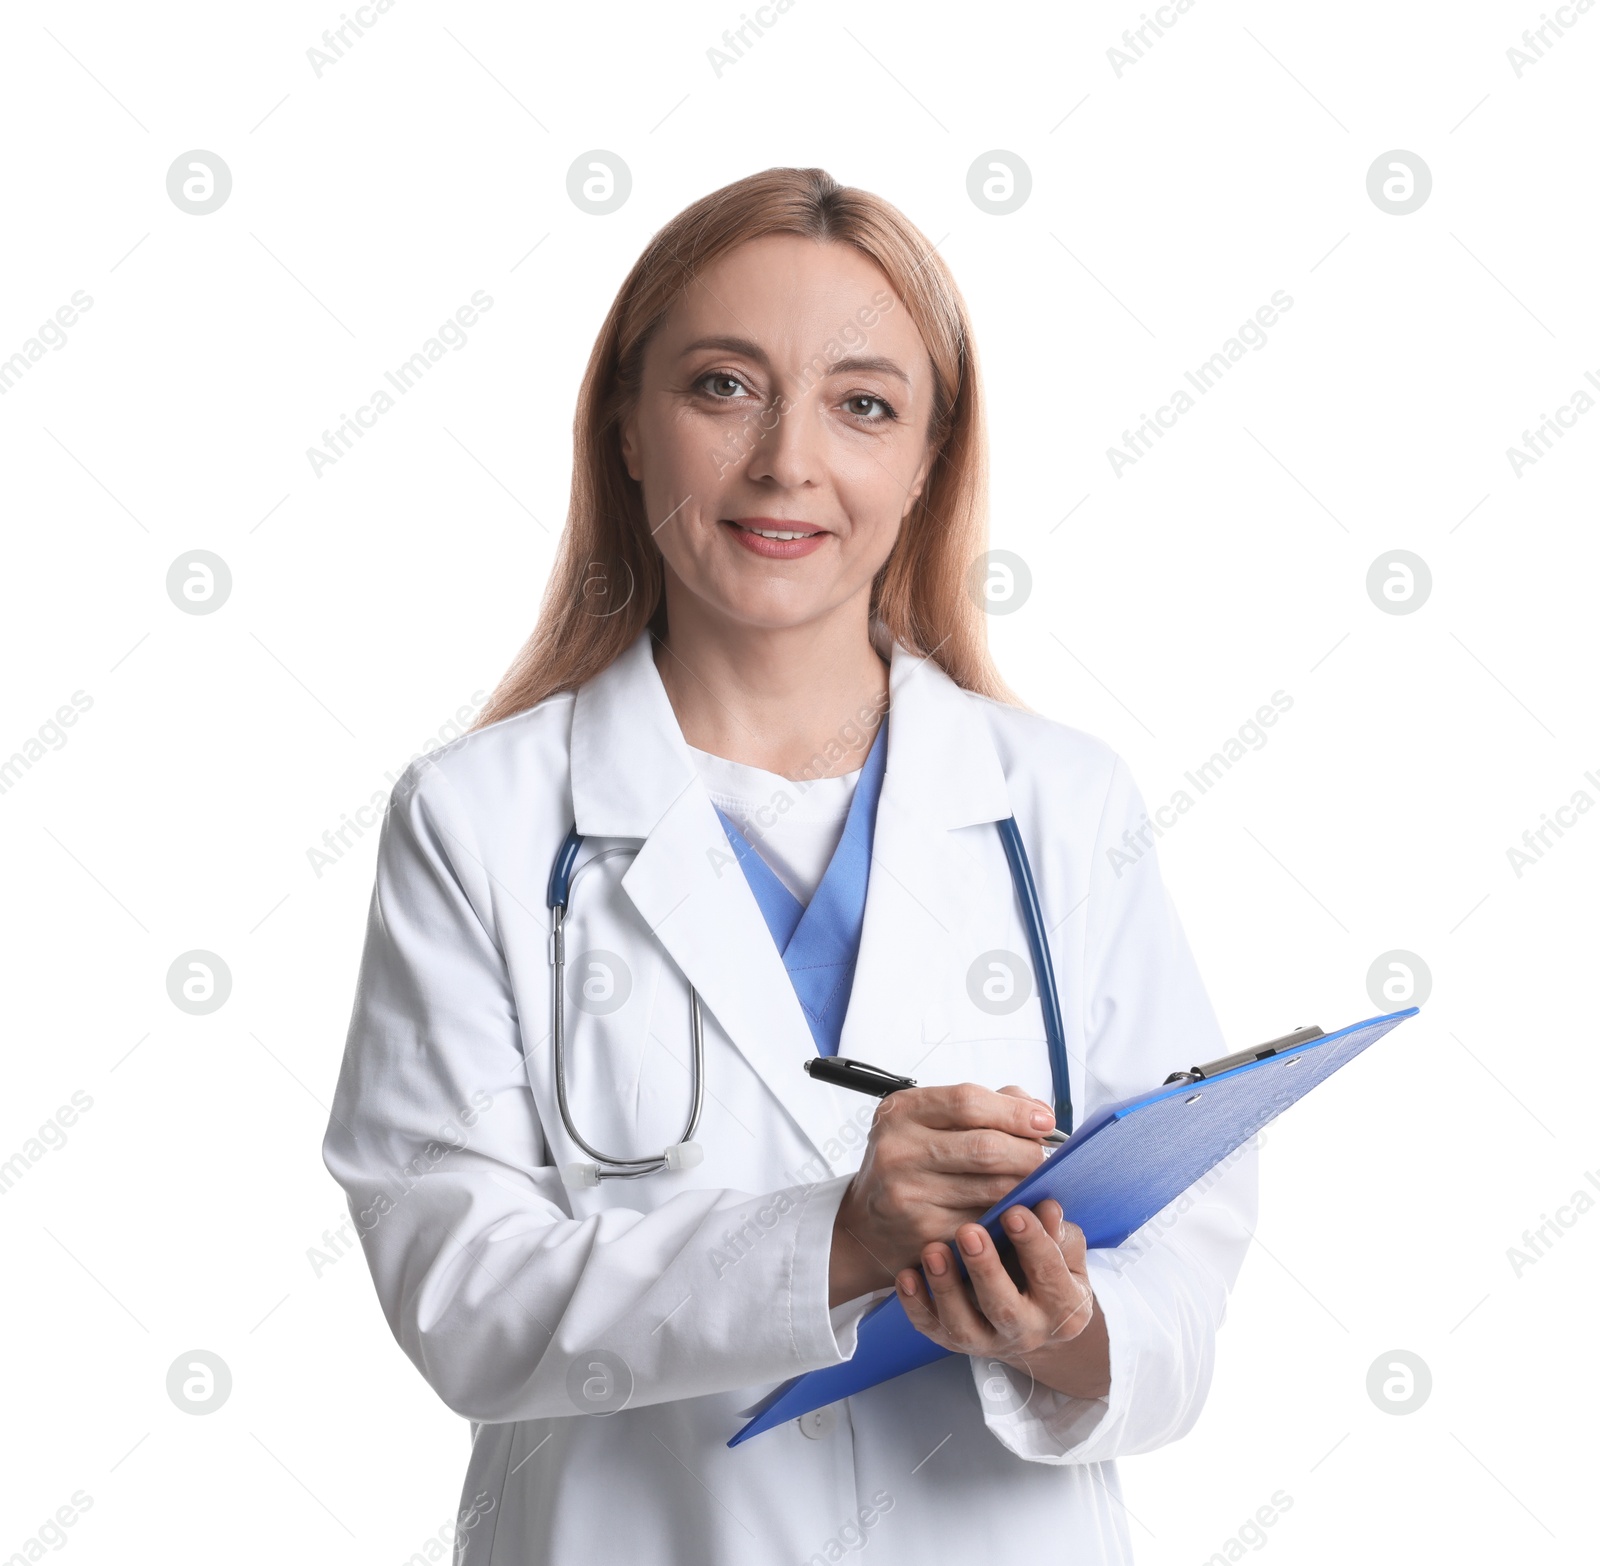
{"x": 819, "y": 940}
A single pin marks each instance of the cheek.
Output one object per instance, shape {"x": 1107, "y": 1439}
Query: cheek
{"x": 680, "y": 444}
{"x": 683, "y": 471}
{"x": 873, "y": 485}
{"x": 707, "y": 455}
{"x": 686, "y": 490}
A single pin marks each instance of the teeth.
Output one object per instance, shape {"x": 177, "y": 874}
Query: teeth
{"x": 762, "y": 533}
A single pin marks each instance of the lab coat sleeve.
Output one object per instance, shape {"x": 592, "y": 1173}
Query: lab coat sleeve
{"x": 1163, "y": 1292}
{"x": 504, "y": 1301}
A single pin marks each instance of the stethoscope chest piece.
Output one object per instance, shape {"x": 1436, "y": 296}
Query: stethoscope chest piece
{"x": 580, "y": 1176}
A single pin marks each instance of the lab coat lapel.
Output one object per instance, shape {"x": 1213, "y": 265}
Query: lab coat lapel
{"x": 633, "y": 777}
{"x": 932, "y": 890}
{"x": 688, "y": 887}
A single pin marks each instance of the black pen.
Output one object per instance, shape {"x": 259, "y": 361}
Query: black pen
{"x": 876, "y": 1082}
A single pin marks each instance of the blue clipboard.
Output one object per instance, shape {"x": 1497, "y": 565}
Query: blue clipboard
{"x": 1116, "y": 1172}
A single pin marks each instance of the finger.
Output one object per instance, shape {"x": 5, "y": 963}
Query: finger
{"x": 1011, "y": 1090}
{"x": 1061, "y": 1291}
{"x": 985, "y": 1153}
{"x": 959, "y": 1316}
{"x": 967, "y": 1106}
{"x": 1009, "y": 1313}
{"x": 1068, "y": 1237}
{"x": 1039, "y": 1251}
{"x": 943, "y": 1201}
{"x": 919, "y": 1307}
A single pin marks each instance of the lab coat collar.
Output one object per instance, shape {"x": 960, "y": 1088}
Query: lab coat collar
{"x": 633, "y": 777}
{"x": 942, "y": 764}
{"x": 630, "y": 761}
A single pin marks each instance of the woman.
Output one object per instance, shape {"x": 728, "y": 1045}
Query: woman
{"x": 759, "y": 689}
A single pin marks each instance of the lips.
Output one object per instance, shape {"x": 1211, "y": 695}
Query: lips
{"x": 776, "y": 538}
{"x": 774, "y": 527}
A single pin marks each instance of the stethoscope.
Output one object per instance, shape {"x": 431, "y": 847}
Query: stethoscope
{"x": 685, "y": 1153}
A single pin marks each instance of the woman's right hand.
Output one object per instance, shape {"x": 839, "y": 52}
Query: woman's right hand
{"x": 936, "y": 1157}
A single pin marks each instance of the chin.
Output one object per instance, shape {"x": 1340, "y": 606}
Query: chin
{"x": 765, "y": 606}
{"x": 768, "y": 616}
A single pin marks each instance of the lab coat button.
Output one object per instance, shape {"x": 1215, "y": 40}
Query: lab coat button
{"x": 819, "y": 1422}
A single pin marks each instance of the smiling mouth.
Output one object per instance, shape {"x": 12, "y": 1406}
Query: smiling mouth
{"x": 780, "y": 534}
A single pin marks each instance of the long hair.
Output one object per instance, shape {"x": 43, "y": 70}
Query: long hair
{"x": 606, "y": 584}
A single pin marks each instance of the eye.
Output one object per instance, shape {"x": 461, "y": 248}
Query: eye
{"x": 860, "y": 406}
{"x": 721, "y": 386}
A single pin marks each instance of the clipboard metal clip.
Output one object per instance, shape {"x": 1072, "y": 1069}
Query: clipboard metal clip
{"x": 1244, "y": 1056}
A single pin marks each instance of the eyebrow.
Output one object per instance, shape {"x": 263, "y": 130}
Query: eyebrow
{"x": 856, "y": 365}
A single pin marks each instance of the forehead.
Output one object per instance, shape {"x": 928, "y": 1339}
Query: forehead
{"x": 791, "y": 295}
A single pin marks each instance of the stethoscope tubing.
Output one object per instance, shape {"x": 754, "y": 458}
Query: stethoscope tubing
{"x": 609, "y": 1167}
{"x": 1044, "y": 970}
{"x": 563, "y": 877}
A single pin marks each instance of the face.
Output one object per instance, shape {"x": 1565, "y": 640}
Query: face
{"x": 780, "y": 434}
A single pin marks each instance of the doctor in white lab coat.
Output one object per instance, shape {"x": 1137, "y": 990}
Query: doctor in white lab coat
{"x": 762, "y": 595}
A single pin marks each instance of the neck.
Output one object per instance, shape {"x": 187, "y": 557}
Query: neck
{"x": 801, "y": 701}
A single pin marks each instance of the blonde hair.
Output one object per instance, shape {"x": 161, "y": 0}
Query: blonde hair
{"x": 606, "y": 584}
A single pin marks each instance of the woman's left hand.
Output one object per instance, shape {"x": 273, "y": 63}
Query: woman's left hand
{"x": 1053, "y": 1330}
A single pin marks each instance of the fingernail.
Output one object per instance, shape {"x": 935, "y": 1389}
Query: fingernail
{"x": 972, "y": 1241}
{"x": 1014, "y": 1222}
{"x": 908, "y": 1284}
{"x": 1042, "y": 1121}
{"x": 936, "y": 1263}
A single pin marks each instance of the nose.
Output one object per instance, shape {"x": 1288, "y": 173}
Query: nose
{"x": 790, "y": 448}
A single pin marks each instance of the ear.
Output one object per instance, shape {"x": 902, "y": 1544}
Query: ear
{"x": 914, "y": 494}
{"x": 630, "y": 442}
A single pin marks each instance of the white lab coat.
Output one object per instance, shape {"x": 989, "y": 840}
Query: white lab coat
{"x": 687, "y": 1296}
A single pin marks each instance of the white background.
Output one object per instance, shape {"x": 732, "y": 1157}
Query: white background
{"x": 1167, "y": 604}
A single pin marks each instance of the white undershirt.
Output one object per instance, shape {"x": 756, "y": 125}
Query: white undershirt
{"x": 794, "y": 825}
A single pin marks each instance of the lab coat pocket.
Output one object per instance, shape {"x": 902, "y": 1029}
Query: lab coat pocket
{"x": 1000, "y": 1060}
{"x": 664, "y": 1063}
{"x": 607, "y": 1026}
